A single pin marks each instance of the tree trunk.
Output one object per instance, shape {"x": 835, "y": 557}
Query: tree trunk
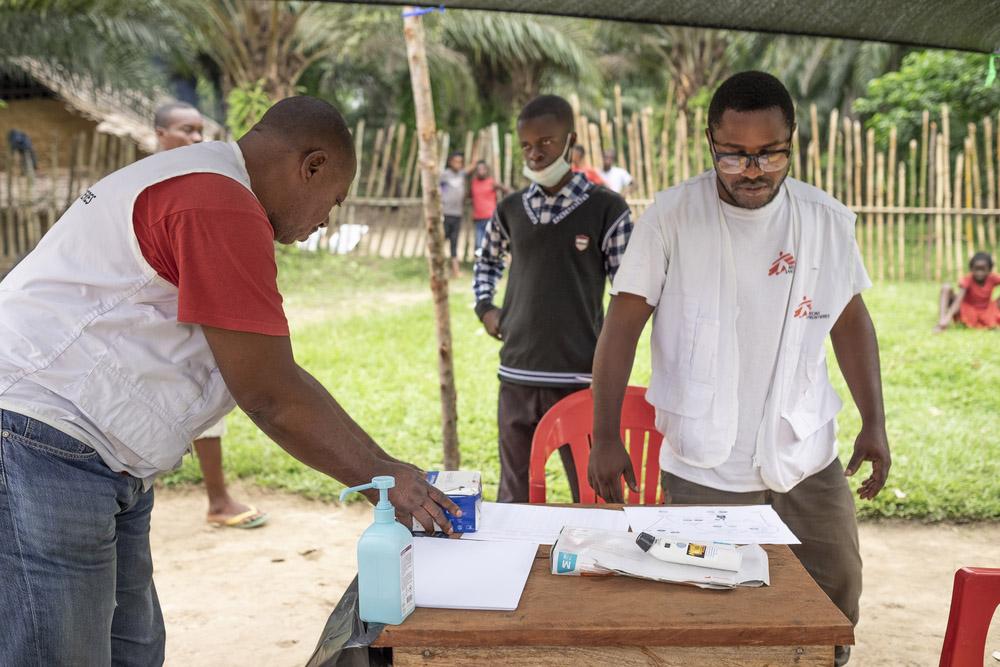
{"x": 413, "y": 32}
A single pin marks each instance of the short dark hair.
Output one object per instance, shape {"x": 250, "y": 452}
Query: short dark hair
{"x": 162, "y": 114}
{"x": 982, "y": 257}
{"x": 580, "y": 149}
{"x": 455, "y": 154}
{"x": 548, "y": 105}
{"x": 751, "y": 91}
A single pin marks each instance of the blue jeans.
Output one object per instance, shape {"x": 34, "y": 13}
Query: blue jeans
{"x": 76, "y": 576}
{"x": 480, "y": 233}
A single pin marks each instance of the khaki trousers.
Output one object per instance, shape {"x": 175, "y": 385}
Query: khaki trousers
{"x": 820, "y": 511}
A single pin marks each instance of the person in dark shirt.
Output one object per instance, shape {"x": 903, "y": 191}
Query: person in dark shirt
{"x": 568, "y": 236}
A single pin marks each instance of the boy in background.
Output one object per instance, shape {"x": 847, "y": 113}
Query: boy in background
{"x": 567, "y": 236}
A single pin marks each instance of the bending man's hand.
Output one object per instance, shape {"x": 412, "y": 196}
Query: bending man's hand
{"x": 414, "y": 498}
{"x": 609, "y": 462}
{"x": 871, "y": 445}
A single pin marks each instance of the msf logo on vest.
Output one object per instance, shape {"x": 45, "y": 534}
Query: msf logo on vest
{"x": 784, "y": 264}
{"x": 805, "y": 311}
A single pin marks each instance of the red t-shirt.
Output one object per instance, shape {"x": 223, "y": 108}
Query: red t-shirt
{"x": 591, "y": 175}
{"x": 208, "y": 235}
{"x": 484, "y": 197}
{"x": 976, "y": 309}
{"x": 976, "y": 295}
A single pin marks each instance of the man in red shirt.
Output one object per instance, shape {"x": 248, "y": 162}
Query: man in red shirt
{"x": 484, "y": 199}
{"x": 973, "y": 305}
{"x": 122, "y": 341}
{"x": 581, "y": 166}
{"x": 179, "y": 124}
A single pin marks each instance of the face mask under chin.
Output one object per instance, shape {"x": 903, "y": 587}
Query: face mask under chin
{"x": 551, "y": 175}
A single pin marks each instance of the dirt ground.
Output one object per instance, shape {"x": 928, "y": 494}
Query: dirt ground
{"x": 261, "y": 597}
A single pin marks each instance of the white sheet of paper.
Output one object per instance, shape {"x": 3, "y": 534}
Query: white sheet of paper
{"x": 540, "y": 524}
{"x": 635, "y": 562}
{"x": 459, "y": 574}
{"x": 747, "y": 524}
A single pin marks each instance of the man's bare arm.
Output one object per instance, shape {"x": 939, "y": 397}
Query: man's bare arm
{"x": 856, "y": 347}
{"x": 295, "y": 411}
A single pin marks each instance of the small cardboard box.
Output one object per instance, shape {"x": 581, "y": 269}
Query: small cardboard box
{"x": 465, "y": 489}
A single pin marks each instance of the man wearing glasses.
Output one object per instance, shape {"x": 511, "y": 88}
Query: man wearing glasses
{"x": 746, "y": 272}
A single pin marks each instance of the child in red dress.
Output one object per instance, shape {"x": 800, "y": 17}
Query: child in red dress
{"x": 973, "y": 305}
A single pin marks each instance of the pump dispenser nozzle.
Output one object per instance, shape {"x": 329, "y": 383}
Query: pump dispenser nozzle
{"x": 384, "y": 511}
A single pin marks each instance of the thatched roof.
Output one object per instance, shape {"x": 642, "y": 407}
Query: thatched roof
{"x": 970, "y": 25}
{"x": 120, "y": 113}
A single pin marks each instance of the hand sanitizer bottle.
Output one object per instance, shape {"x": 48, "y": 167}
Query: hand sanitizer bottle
{"x": 385, "y": 561}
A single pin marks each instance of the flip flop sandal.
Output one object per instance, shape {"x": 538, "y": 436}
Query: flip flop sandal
{"x": 252, "y": 518}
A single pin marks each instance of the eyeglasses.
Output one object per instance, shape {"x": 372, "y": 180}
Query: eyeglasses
{"x": 737, "y": 163}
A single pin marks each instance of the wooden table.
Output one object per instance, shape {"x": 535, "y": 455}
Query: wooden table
{"x": 621, "y": 621}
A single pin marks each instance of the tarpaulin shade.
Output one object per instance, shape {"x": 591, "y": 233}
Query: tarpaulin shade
{"x": 970, "y": 25}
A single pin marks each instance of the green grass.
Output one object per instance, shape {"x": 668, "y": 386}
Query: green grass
{"x": 365, "y": 329}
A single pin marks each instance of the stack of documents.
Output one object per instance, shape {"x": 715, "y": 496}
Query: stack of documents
{"x": 749, "y": 524}
{"x": 540, "y": 524}
{"x": 588, "y": 551}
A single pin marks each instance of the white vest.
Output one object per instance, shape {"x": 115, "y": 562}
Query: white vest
{"x": 696, "y": 358}
{"x": 86, "y": 317}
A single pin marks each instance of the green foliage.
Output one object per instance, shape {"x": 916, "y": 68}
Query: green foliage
{"x": 246, "y": 105}
{"x": 926, "y": 80}
{"x": 111, "y": 42}
{"x": 365, "y": 328}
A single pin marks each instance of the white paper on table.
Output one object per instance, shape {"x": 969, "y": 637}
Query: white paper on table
{"x": 635, "y": 562}
{"x": 738, "y": 524}
{"x": 540, "y": 524}
{"x": 459, "y": 574}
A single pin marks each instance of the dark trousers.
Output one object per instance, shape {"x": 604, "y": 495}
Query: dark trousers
{"x": 519, "y": 410}
{"x": 820, "y": 511}
{"x": 452, "y": 227}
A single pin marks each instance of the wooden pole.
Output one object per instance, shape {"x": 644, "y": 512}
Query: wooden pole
{"x": 831, "y": 152}
{"x": 699, "y": 153}
{"x": 663, "y": 176}
{"x": 420, "y": 80}
{"x": 795, "y": 171}
{"x": 911, "y": 166}
{"x": 974, "y": 174}
{"x": 495, "y": 150}
{"x": 619, "y": 124}
{"x": 939, "y": 241}
{"x": 958, "y": 247}
{"x": 991, "y": 190}
{"x": 869, "y": 197}
{"x": 647, "y": 146}
{"x": 880, "y": 218}
{"x": 901, "y": 224}
{"x": 607, "y": 136}
{"x": 849, "y": 163}
{"x": 685, "y": 142}
{"x": 969, "y": 202}
{"x": 508, "y": 159}
{"x": 932, "y": 185}
{"x": 814, "y": 128}
{"x": 890, "y": 199}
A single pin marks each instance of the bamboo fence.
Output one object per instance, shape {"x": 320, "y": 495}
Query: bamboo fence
{"x": 922, "y": 209}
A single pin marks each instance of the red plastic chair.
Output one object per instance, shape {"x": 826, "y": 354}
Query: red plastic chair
{"x": 974, "y": 598}
{"x": 571, "y": 421}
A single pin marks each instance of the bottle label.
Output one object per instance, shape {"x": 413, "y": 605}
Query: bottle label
{"x": 406, "y": 579}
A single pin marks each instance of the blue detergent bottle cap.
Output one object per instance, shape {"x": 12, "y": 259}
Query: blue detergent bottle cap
{"x": 384, "y": 511}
